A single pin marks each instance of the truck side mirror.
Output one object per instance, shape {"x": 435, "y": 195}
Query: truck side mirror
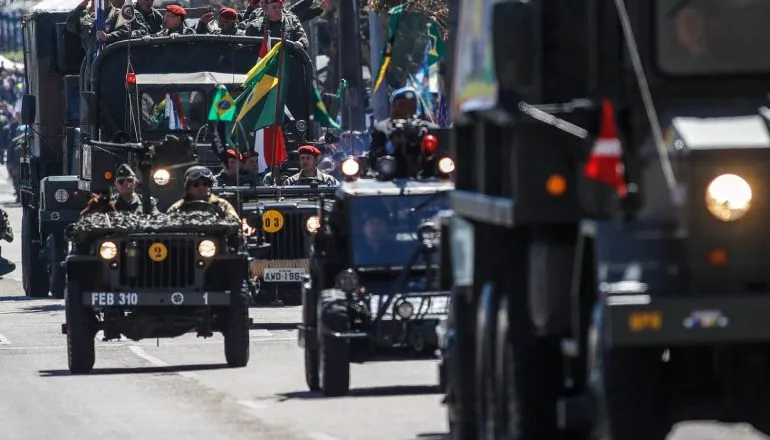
{"x": 88, "y": 110}
{"x": 517, "y": 48}
{"x": 28, "y": 109}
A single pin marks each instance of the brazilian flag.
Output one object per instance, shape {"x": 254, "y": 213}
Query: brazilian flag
{"x": 223, "y": 106}
{"x": 320, "y": 114}
{"x": 256, "y": 105}
{"x": 394, "y": 18}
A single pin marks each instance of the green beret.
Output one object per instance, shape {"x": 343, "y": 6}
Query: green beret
{"x": 125, "y": 171}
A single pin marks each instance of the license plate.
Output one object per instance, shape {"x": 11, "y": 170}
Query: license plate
{"x": 171, "y": 299}
{"x": 273, "y": 275}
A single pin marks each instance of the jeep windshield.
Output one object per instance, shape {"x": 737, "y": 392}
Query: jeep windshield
{"x": 384, "y": 228}
{"x": 708, "y": 37}
{"x": 180, "y": 102}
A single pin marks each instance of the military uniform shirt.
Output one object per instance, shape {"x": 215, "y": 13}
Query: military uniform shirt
{"x": 293, "y": 30}
{"x": 182, "y": 30}
{"x": 223, "y": 206}
{"x": 151, "y": 22}
{"x": 323, "y": 178}
{"x": 135, "y": 204}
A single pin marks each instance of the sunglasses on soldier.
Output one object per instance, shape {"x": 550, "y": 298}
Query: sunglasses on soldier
{"x": 123, "y": 180}
{"x": 202, "y": 182}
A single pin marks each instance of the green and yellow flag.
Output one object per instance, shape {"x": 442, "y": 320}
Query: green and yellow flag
{"x": 223, "y": 106}
{"x": 257, "y": 104}
{"x": 320, "y": 113}
{"x": 436, "y": 50}
{"x": 394, "y": 16}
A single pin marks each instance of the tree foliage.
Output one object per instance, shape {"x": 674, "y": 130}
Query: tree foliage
{"x": 437, "y": 8}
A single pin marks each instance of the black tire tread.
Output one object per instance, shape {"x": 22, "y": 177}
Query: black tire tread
{"x": 81, "y": 353}
{"x": 236, "y": 332}
{"x": 334, "y": 352}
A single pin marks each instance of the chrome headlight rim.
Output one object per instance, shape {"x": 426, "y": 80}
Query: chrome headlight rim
{"x": 207, "y": 248}
{"x": 404, "y": 309}
{"x": 728, "y": 197}
{"x": 61, "y": 195}
{"x": 108, "y": 250}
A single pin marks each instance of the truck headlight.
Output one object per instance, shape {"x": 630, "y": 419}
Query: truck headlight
{"x": 161, "y": 177}
{"x": 728, "y": 197}
{"x": 312, "y": 224}
{"x": 207, "y": 248}
{"x": 350, "y": 167}
{"x": 108, "y": 250}
{"x": 446, "y": 165}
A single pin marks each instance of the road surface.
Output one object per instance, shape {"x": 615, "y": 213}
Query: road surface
{"x": 180, "y": 388}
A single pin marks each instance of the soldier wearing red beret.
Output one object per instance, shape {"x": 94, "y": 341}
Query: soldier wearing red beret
{"x": 225, "y": 24}
{"x": 308, "y": 160}
{"x": 229, "y": 174}
{"x": 173, "y": 23}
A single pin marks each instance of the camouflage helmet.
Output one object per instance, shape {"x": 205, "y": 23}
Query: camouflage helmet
{"x": 198, "y": 172}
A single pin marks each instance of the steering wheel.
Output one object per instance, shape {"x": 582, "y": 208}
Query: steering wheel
{"x": 199, "y": 205}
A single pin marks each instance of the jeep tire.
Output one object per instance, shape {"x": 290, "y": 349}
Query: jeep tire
{"x": 81, "y": 331}
{"x": 334, "y": 352}
{"x": 237, "y": 326}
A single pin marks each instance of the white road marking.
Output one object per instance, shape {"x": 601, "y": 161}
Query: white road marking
{"x": 253, "y": 405}
{"x": 157, "y": 362}
{"x": 321, "y": 436}
{"x": 4, "y": 340}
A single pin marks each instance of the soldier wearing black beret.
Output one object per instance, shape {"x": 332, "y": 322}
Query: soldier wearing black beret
{"x": 126, "y": 198}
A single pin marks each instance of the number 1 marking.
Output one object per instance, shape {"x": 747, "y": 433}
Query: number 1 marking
{"x": 206, "y": 299}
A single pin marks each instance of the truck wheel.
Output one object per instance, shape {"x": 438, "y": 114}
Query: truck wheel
{"x": 461, "y": 393}
{"x": 631, "y": 392}
{"x": 311, "y": 369}
{"x": 57, "y": 275}
{"x": 34, "y": 286}
{"x": 486, "y": 317}
{"x": 334, "y": 352}
{"x": 236, "y": 332}
{"x": 81, "y": 331}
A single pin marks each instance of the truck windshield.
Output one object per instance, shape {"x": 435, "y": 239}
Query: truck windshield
{"x": 702, "y": 37}
{"x": 384, "y": 229}
{"x": 188, "y": 110}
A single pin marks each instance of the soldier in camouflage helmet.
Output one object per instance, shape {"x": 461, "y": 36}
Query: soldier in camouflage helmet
{"x": 80, "y": 21}
{"x": 126, "y": 198}
{"x": 198, "y": 181}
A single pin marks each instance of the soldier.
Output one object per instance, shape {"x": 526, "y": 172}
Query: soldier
{"x": 225, "y": 25}
{"x": 232, "y": 166}
{"x": 274, "y": 21}
{"x": 303, "y": 10}
{"x": 80, "y": 21}
{"x": 150, "y": 19}
{"x": 173, "y": 24}
{"x": 249, "y": 169}
{"x": 126, "y": 198}
{"x": 198, "y": 181}
{"x": 403, "y": 105}
{"x": 308, "y": 159}
{"x": 113, "y": 29}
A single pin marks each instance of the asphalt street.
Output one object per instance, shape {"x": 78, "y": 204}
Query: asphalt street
{"x": 180, "y": 388}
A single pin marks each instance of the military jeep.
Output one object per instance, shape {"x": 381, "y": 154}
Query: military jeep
{"x": 155, "y": 277}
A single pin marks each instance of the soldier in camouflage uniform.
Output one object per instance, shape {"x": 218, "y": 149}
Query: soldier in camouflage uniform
{"x": 225, "y": 24}
{"x": 273, "y": 21}
{"x": 115, "y": 28}
{"x": 173, "y": 23}
{"x": 151, "y": 20}
{"x": 308, "y": 159}
{"x": 302, "y": 9}
{"x": 198, "y": 181}
{"x": 80, "y": 21}
{"x": 232, "y": 166}
{"x": 126, "y": 198}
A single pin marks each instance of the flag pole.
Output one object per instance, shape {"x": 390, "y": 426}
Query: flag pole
{"x": 278, "y": 109}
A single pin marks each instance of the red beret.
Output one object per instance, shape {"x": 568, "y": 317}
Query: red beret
{"x": 176, "y": 10}
{"x": 251, "y": 153}
{"x": 232, "y": 153}
{"x": 230, "y": 13}
{"x": 309, "y": 149}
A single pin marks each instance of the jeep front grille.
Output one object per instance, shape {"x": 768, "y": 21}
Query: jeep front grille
{"x": 290, "y": 242}
{"x": 176, "y": 271}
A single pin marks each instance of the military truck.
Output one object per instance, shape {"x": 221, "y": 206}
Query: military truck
{"x": 48, "y": 193}
{"x": 373, "y": 291}
{"x": 607, "y": 247}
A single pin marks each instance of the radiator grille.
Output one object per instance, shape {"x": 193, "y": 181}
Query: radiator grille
{"x": 290, "y": 242}
{"x": 176, "y": 271}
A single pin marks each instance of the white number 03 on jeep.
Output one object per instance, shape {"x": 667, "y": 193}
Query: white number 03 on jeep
{"x": 114, "y": 299}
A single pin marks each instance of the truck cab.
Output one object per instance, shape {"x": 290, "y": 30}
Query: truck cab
{"x": 608, "y": 153}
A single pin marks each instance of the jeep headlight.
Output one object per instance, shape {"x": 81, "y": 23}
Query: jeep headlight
{"x": 350, "y": 167}
{"x": 108, "y": 250}
{"x": 313, "y": 224}
{"x": 207, "y": 248}
{"x": 161, "y": 177}
{"x": 728, "y": 197}
{"x": 446, "y": 165}
{"x": 347, "y": 280}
